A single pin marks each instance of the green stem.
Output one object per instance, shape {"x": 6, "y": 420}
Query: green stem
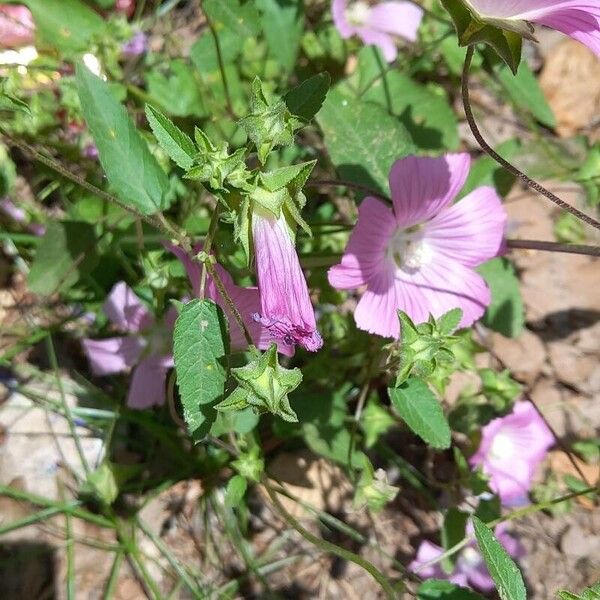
{"x": 212, "y": 228}
{"x": 114, "y": 576}
{"x": 326, "y": 546}
{"x": 502, "y": 161}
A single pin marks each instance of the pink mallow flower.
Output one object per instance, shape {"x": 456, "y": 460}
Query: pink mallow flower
{"x": 420, "y": 256}
{"x": 246, "y": 300}
{"x": 16, "y": 26}
{"x": 379, "y": 24}
{"x": 285, "y": 307}
{"x": 511, "y": 449}
{"x": 469, "y": 569}
{"x": 145, "y": 347}
{"x": 579, "y": 19}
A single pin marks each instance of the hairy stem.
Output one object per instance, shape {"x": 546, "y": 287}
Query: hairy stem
{"x": 508, "y": 166}
{"x": 554, "y": 247}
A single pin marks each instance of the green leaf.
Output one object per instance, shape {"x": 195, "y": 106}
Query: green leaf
{"x": 242, "y": 19}
{"x": 422, "y": 412}
{"x": 11, "y": 103}
{"x": 174, "y": 142}
{"x": 505, "y": 314}
{"x": 283, "y": 24}
{"x": 200, "y": 347}
{"x": 525, "y": 92}
{"x": 375, "y": 421}
{"x": 306, "y": 99}
{"x": 591, "y": 593}
{"x": 363, "y": 140}
{"x": 504, "y": 571}
{"x": 66, "y": 253}
{"x": 453, "y": 531}
{"x": 66, "y": 24}
{"x": 236, "y": 489}
{"x": 284, "y": 176}
{"x": 438, "y": 589}
{"x": 133, "y": 172}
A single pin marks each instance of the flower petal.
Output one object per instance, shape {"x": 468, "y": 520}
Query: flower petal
{"x": 422, "y": 186}
{"x": 396, "y": 18}
{"x": 147, "y": 386}
{"x": 376, "y": 311}
{"x": 446, "y": 285}
{"x": 365, "y": 253}
{"x": 384, "y": 41}
{"x": 16, "y": 26}
{"x": 192, "y": 268}
{"x": 125, "y": 310}
{"x": 427, "y": 552}
{"x": 470, "y": 231}
{"x": 338, "y": 12}
{"x": 112, "y": 355}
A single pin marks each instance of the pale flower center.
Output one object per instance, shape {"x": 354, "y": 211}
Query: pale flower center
{"x": 470, "y": 556}
{"x": 357, "y": 13}
{"x": 409, "y": 250}
{"x": 502, "y": 446}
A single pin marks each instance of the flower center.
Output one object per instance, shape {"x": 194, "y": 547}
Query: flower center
{"x": 357, "y": 13}
{"x": 409, "y": 250}
{"x": 502, "y": 446}
{"x": 470, "y": 557}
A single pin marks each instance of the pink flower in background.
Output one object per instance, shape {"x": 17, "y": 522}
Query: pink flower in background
{"x": 146, "y": 347}
{"x": 579, "y": 19}
{"x": 127, "y": 7}
{"x": 246, "y": 300}
{"x": 511, "y": 449}
{"x": 11, "y": 210}
{"x": 470, "y": 567}
{"x": 377, "y": 25}
{"x": 16, "y": 26}
{"x": 285, "y": 307}
{"x": 420, "y": 256}
{"x": 136, "y": 45}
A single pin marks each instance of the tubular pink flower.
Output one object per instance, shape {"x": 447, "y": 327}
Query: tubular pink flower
{"x": 511, "y": 449}
{"x": 16, "y": 26}
{"x": 145, "y": 348}
{"x": 286, "y": 311}
{"x": 246, "y": 300}
{"x": 470, "y": 568}
{"x": 420, "y": 255}
{"x": 579, "y": 19}
{"x": 377, "y": 25}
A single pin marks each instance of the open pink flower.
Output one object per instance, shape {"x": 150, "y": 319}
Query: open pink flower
{"x": 146, "y": 347}
{"x": 511, "y": 449}
{"x": 420, "y": 255}
{"x": 246, "y": 300}
{"x": 377, "y": 25}
{"x": 285, "y": 307}
{"x": 16, "y": 26}
{"x": 470, "y": 568}
{"x": 579, "y": 19}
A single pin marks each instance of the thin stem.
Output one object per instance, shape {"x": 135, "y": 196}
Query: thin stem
{"x": 508, "y": 166}
{"x": 111, "y": 584}
{"x": 326, "y": 546}
{"x": 359, "y": 187}
{"x": 230, "y": 304}
{"x": 554, "y": 247}
{"x": 212, "y": 228}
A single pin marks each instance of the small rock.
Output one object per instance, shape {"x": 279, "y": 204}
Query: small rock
{"x": 524, "y": 356}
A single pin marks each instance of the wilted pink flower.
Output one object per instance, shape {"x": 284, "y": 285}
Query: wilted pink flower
{"x": 469, "y": 568}
{"x": 16, "y": 26}
{"x": 377, "y": 25}
{"x": 420, "y": 255}
{"x": 579, "y": 19}
{"x": 246, "y": 300}
{"x": 511, "y": 448}
{"x": 285, "y": 307}
{"x": 11, "y": 210}
{"x": 136, "y": 45}
{"x": 146, "y": 347}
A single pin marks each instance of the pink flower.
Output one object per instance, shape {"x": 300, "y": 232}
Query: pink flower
{"x": 11, "y": 210}
{"x": 127, "y": 7}
{"x": 246, "y": 300}
{"x": 470, "y": 567}
{"x": 146, "y": 347}
{"x": 377, "y": 25}
{"x": 16, "y": 26}
{"x": 136, "y": 45}
{"x": 420, "y": 255}
{"x": 579, "y": 19}
{"x": 285, "y": 307}
{"x": 511, "y": 448}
